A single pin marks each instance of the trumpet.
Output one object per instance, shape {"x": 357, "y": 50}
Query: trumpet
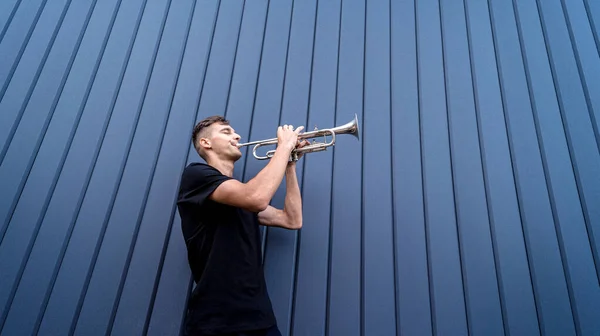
{"x": 348, "y": 128}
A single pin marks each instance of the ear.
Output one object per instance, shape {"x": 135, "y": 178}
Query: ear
{"x": 204, "y": 143}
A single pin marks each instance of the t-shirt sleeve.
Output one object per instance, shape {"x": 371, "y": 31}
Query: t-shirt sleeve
{"x": 198, "y": 182}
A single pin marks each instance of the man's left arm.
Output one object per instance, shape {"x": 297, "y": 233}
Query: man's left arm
{"x": 291, "y": 215}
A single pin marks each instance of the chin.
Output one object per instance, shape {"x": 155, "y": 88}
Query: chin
{"x": 236, "y": 156}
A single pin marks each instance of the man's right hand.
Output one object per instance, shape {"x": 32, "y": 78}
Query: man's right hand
{"x": 287, "y": 137}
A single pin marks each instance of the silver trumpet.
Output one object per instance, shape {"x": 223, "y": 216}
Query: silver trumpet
{"x": 349, "y": 128}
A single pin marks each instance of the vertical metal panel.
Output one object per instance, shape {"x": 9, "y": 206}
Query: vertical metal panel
{"x": 444, "y": 251}
{"x": 26, "y": 67}
{"x": 570, "y": 220}
{"x": 312, "y": 271}
{"x": 593, "y": 14}
{"x": 281, "y": 252}
{"x": 7, "y": 13}
{"x": 414, "y": 301}
{"x": 378, "y": 240}
{"x": 579, "y": 119}
{"x": 344, "y": 311}
{"x": 14, "y": 40}
{"x": 477, "y": 255}
{"x": 469, "y": 205}
{"x": 546, "y": 260}
{"x": 582, "y": 42}
{"x": 512, "y": 264}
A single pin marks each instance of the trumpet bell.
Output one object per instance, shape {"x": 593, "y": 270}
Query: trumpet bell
{"x": 348, "y": 128}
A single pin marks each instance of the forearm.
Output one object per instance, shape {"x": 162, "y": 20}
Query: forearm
{"x": 293, "y": 199}
{"x": 267, "y": 181}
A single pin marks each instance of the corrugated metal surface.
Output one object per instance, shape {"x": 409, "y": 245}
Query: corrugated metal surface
{"x": 470, "y": 205}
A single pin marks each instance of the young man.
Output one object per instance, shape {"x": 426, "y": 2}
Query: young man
{"x": 220, "y": 219}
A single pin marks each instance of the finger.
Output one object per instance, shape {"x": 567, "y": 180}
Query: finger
{"x": 299, "y": 129}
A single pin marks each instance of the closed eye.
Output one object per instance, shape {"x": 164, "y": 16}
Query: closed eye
{"x": 227, "y": 130}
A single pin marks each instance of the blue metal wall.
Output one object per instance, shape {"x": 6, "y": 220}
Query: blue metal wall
{"x": 470, "y": 205}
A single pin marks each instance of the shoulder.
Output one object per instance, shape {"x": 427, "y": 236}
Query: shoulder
{"x": 198, "y": 174}
{"x": 198, "y": 182}
{"x": 199, "y": 170}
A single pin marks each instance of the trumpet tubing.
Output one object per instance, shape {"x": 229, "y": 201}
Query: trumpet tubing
{"x": 348, "y": 128}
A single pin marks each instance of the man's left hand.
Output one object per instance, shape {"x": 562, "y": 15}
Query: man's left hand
{"x": 301, "y": 144}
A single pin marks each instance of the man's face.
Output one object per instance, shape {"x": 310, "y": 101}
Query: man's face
{"x": 224, "y": 139}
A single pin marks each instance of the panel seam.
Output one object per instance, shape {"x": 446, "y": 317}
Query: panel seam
{"x": 392, "y": 184}
{"x": 581, "y": 73}
{"x": 514, "y": 172}
{"x": 569, "y": 141}
{"x": 331, "y": 186}
{"x": 9, "y": 20}
{"x": 463, "y": 272}
{"x": 362, "y": 182}
{"x": 21, "y": 51}
{"x": 299, "y": 233}
{"x": 592, "y": 25}
{"x": 266, "y": 229}
{"x": 549, "y": 189}
{"x": 423, "y": 176}
{"x": 492, "y": 224}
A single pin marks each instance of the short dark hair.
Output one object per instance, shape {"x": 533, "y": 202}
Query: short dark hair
{"x": 203, "y": 124}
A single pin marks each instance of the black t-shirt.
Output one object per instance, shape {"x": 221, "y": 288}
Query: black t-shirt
{"x": 224, "y": 254}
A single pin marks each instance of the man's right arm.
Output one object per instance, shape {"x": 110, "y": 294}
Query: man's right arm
{"x": 256, "y": 194}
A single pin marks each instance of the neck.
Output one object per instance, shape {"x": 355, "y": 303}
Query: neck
{"x": 225, "y": 167}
